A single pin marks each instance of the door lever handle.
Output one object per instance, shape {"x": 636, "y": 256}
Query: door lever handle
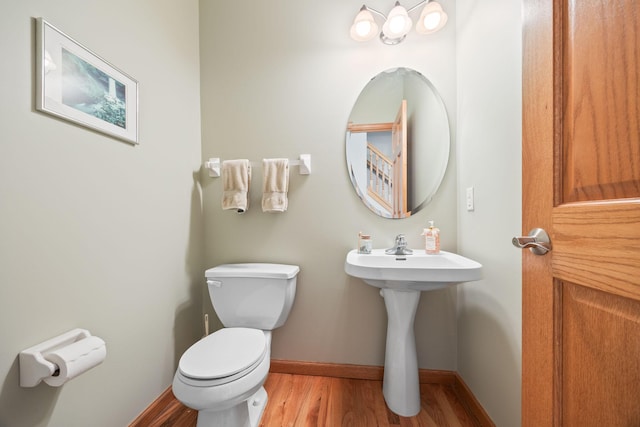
{"x": 537, "y": 241}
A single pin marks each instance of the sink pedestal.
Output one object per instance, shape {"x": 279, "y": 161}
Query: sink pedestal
{"x": 401, "y": 385}
{"x": 401, "y": 279}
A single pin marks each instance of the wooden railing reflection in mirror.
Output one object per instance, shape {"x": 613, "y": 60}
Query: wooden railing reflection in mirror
{"x": 380, "y": 177}
{"x": 387, "y": 173}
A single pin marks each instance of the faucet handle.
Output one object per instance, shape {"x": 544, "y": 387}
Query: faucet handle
{"x": 400, "y": 247}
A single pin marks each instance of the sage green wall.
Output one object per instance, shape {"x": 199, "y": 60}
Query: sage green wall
{"x": 489, "y": 46}
{"x": 279, "y": 79}
{"x": 96, "y": 233}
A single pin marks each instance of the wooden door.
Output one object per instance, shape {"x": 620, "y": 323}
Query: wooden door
{"x": 581, "y": 182}
{"x": 399, "y": 150}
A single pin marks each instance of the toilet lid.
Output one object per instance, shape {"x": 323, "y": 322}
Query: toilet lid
{"x": 226, "y": 352}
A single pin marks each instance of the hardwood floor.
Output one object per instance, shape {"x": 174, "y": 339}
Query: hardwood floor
{"x": 320, "y": 401}
{"x": 300, "y": 400}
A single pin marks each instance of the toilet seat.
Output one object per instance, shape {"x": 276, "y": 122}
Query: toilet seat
{"x": 222, "y": 357}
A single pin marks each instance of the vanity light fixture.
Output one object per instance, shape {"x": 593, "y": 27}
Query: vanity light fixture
{"x": 398, "y": 24}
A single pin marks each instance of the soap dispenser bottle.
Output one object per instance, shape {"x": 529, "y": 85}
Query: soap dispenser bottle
{"x": 431, "y": 239}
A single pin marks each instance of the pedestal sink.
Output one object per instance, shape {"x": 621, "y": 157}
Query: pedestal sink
{"x": 401, "y": 279}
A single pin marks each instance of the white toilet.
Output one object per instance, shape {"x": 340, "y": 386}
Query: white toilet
{"x": 222, "y": 375}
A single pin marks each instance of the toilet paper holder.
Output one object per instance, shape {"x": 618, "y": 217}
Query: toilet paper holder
{"x": 34, "y": 366}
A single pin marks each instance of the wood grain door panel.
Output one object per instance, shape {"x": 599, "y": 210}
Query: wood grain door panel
{"x": 599, "y": 61}
{"x": 600, "y": 379}
{"x": 581, "y": 182}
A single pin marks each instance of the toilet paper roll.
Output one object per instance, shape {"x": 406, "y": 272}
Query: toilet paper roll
{"x": 76, "y": 358}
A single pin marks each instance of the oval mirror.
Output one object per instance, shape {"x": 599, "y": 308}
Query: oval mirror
{"x": 397, "y": 143}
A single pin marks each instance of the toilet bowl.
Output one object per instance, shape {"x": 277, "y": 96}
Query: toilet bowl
{"x": 222, "y": 375}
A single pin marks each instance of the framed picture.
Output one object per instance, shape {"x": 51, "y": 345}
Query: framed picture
{"x": 75, "y": 84}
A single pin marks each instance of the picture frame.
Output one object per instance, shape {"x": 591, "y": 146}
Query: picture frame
{"x": 75, "y": 84}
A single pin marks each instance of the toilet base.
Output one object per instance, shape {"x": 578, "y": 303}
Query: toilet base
{"x": 246, "y": 414}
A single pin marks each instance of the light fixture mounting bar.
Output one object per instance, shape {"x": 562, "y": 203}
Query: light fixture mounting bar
{"x": 417, "y": 6}
{"x": 383, "y": 16}
{"x": 377, "y": 12}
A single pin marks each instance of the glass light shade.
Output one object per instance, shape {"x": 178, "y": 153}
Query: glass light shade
{"x": 364, "y": 26}
{"x": 398, "y": 24}
{"x": 432, "y": 18}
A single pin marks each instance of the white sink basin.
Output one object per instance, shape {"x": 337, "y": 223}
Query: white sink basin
{"x": 401, "y": 279}
{"x": 419, "y": 271}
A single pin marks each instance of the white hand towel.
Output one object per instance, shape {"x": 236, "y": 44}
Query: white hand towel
{"x": 275, "y": 174}
{"x": 236, "y": 178}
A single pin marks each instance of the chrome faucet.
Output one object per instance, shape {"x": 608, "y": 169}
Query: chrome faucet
{"x": 400, "y": 247}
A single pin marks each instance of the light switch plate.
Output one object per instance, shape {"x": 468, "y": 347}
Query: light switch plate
{"x": 470, "y": 201}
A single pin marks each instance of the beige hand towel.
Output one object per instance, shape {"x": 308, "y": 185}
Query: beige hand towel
{"x": 275, "y": 174}
{"x": 236, "y": 178}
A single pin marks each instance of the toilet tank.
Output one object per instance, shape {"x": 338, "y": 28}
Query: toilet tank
{"x": 252, "y": 295}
